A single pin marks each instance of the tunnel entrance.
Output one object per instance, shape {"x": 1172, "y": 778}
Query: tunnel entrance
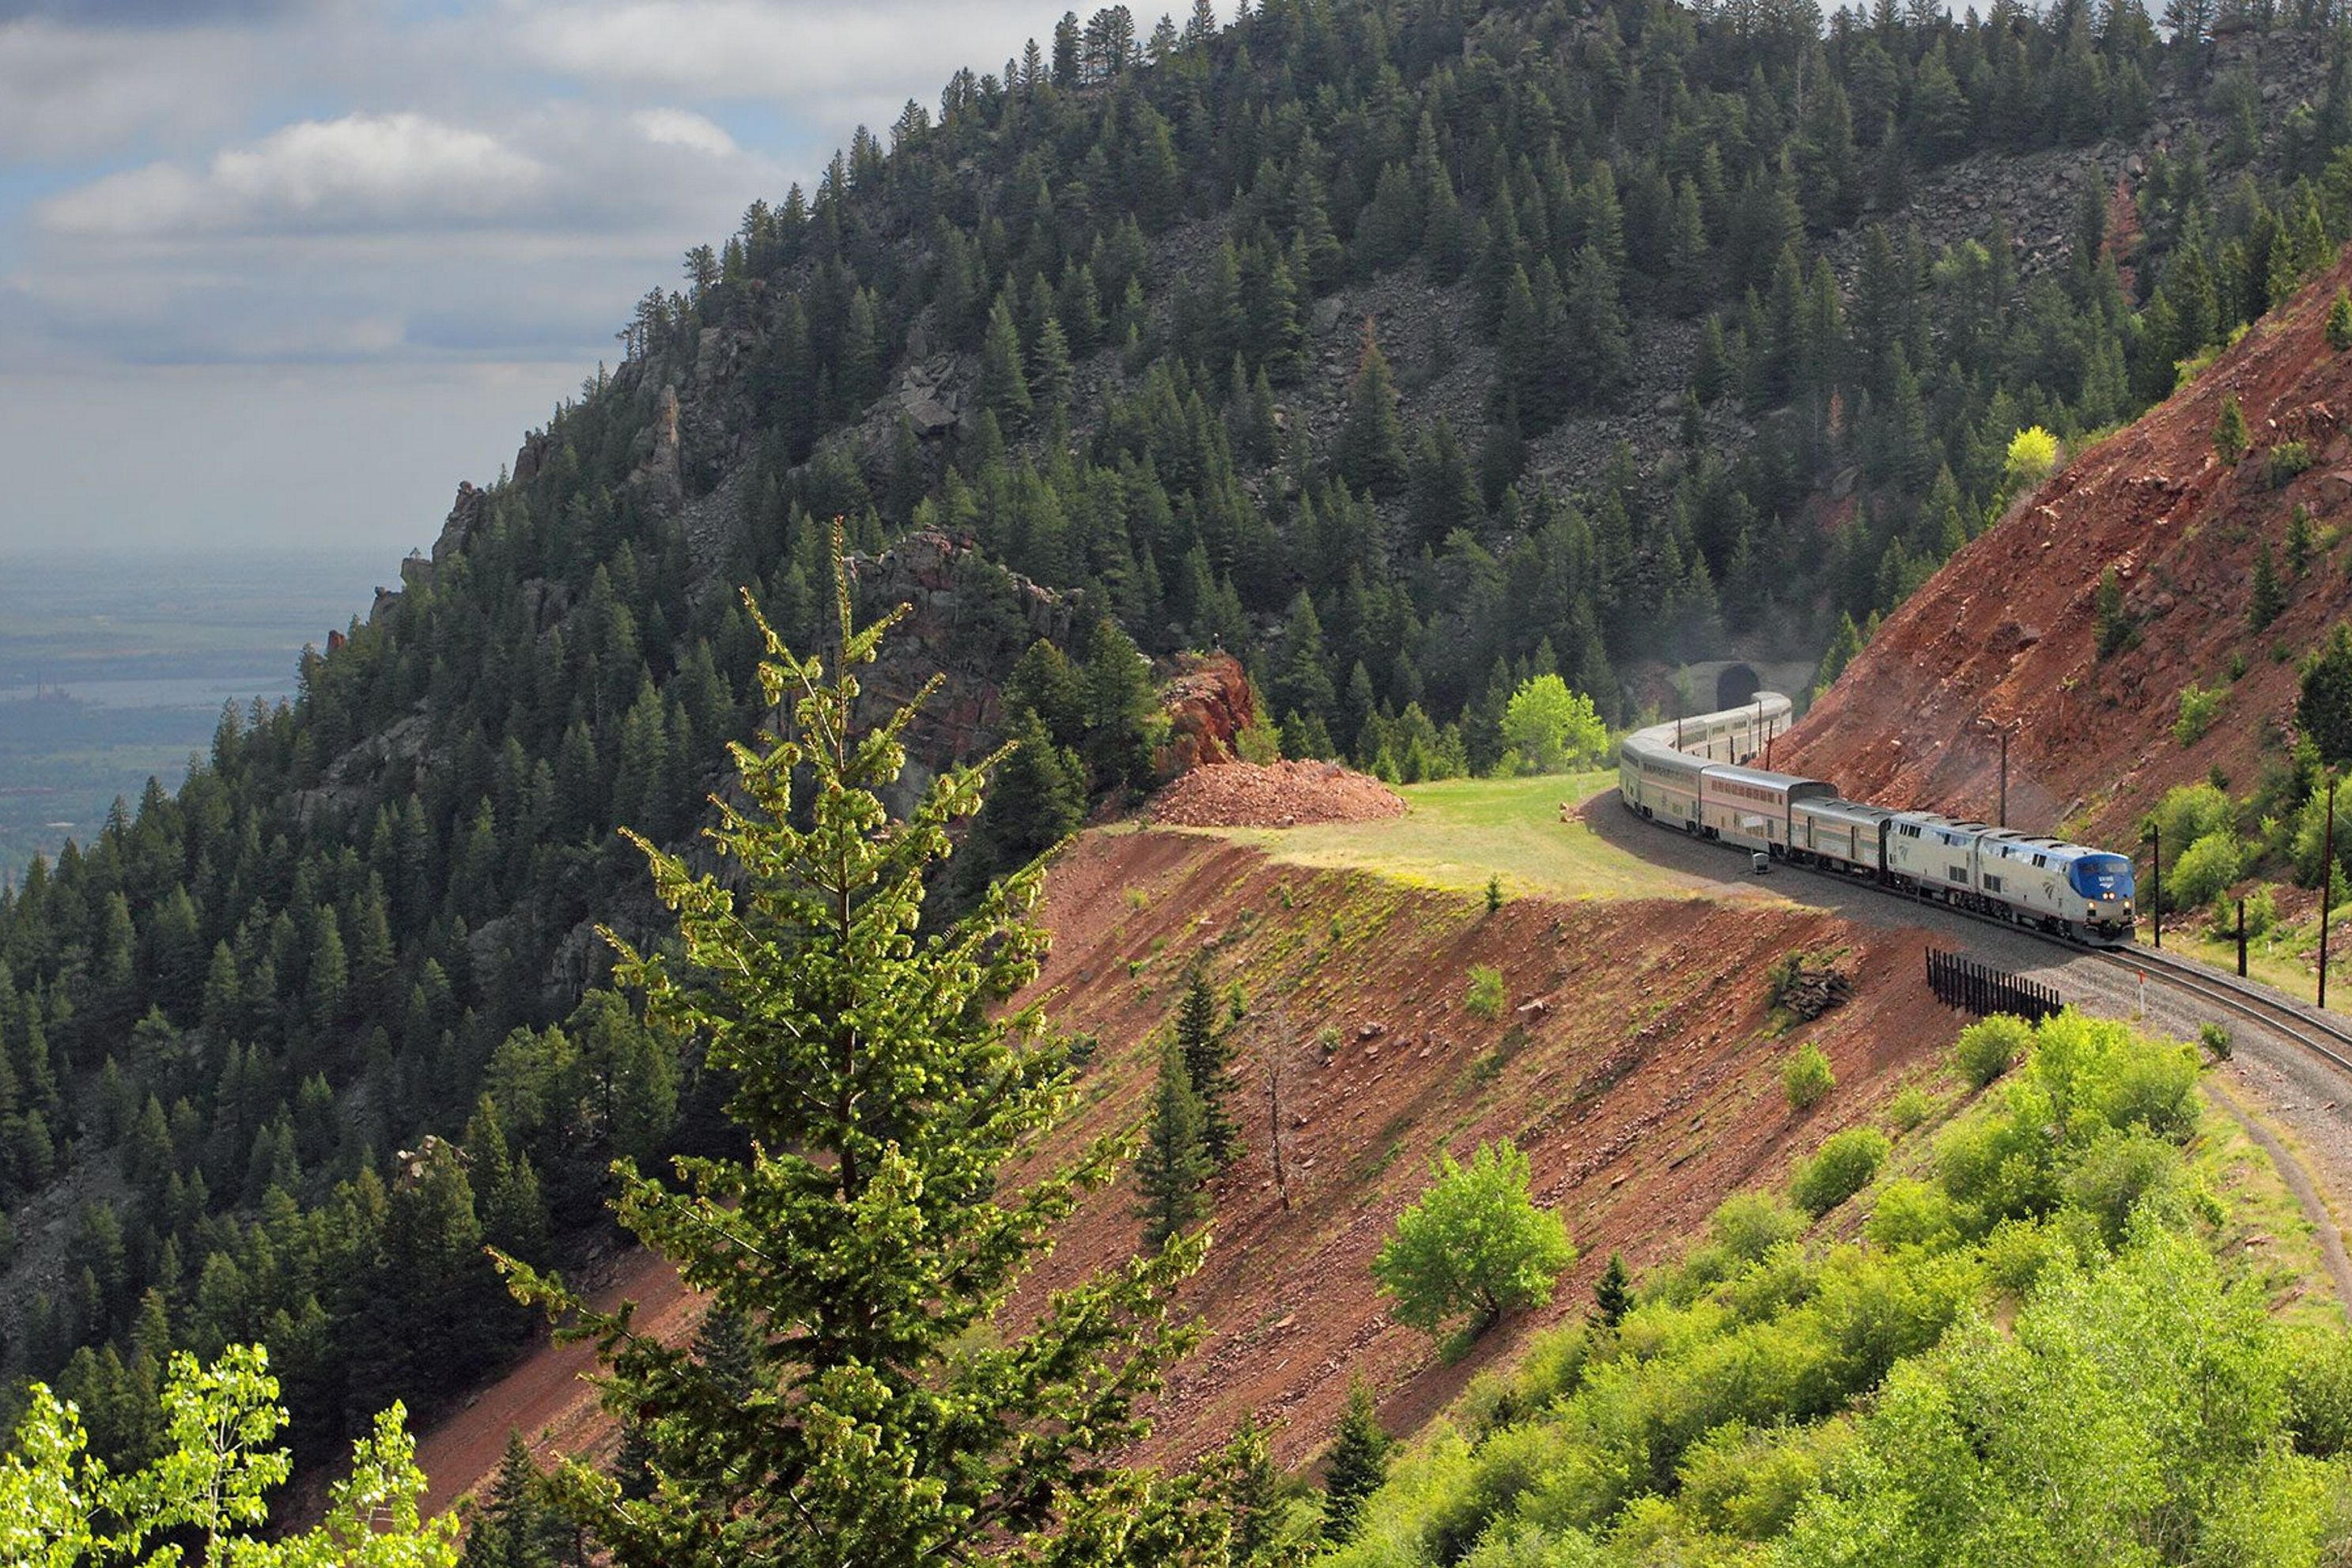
{"x": 1736, "y": 686}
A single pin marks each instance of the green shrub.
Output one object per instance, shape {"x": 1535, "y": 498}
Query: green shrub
{"x": 1909, "y": 1108}
{"x": 2200, "y": 706}
{"x": 2319, "y": 1391}
{"x": 2205, "y": 870}
{"x": 1986, "y": 1048}
{"x": 2187, "y": 813}
{"x": 2119, "y": 1172}
{"x": 1842, "y": 1167}
{"x": 1486, "y": 997}
{"x": 2215, "y": 1039}
{"x": 1747, "y": 1225}
{"x": 1913, "y": 1214}
{"x": 2288, "y": 459}
{"x": 1806, "y": 1077}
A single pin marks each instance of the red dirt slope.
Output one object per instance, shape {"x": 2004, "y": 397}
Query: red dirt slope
{"x": 2006, "y": 633}
{"x": 1630, "y": 1065}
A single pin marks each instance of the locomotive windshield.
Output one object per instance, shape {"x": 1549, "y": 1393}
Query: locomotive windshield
{"x": 2102, "y": 876}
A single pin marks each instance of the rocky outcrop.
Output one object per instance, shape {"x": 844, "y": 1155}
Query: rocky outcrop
{"x": 467, "y": 515}
{"x": 1208, "y": 705}
{"x": 968, "y": 621}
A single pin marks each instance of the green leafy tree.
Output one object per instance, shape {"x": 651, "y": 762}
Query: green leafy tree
{"x": 1475, "y": 1243}
{"x": 1175, "y": 1164}
{"x": 1551, "y": 728}
{"x": 1357, "y": 1464}
{"x": 868, "y": 1233}
{"x": 1806, "y": 1077}
{"x": 62, "y": 1508}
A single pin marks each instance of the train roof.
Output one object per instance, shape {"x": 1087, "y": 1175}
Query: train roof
{"x": 1758, "y": 777}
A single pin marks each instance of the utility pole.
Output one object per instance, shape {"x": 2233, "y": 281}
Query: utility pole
{"x": 2326, "y": 886}
{"x": 2004, "y": 776}
{"x": 2156, "y": 882}
{"x": 2241, "y": 938}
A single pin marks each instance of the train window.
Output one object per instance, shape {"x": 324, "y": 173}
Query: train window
{"x": 1956, "y": 873}
{"x": 2041, "y": 861}
{"x": 1991, "y": 883}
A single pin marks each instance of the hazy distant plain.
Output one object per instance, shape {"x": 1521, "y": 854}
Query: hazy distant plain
{"x": 147, "y": 648}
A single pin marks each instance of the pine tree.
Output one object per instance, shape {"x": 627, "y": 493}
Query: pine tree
{"x": 1612, "y": 1293}
{"x": 2339, "y": 321}
{"x": 2266, "y": 600}
{"x": 1356, "y": 1466}
{"x": 880, "y": 1091}
{"x": 1174, "y": 1165}
{"x": 1004, "y": 384}
{"x": 2229, "y": 436}
{"x": 1203, "y": 1039}
{"x": 1370, "y": 455}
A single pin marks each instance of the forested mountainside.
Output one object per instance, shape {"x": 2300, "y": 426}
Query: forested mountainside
{"x": 1350, "y": 336}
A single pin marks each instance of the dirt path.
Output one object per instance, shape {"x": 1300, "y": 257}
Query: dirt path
{"x": 2292, "y": 1172}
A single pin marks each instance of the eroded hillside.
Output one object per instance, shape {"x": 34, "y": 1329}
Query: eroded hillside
{"x": 2009, "y": 632}
{"x": 1634, "y": 1062}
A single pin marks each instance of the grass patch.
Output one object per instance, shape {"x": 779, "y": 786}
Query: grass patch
{"x": 1460, "y": 834}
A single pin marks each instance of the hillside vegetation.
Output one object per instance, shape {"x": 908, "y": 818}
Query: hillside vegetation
{"x": 1327, "y": 321}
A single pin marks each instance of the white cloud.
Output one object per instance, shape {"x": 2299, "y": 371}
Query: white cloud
{"x": 797, "y": 52}
{"x": 683, "y": 128}
{"x": 362, "y": 171}
{"x": 78, "y": 91}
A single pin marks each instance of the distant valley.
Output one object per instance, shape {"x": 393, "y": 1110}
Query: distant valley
{"x": 113, "y": 668}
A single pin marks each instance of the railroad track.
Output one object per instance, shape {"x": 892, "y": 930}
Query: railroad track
{"x": 2307, "y": 1027}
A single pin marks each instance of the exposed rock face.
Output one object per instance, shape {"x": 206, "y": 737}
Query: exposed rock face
{"x": 662, "y": 474}
{"x": 968, "y": 621}
{"x": 467, "y": 515}
{"x": 1208, "y": 705}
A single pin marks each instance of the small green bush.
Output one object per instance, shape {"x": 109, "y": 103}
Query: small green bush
{"x": 1913, "y": 1214}
{"x": 1486, "y": 996}
{"x": 1844, "y": 1166}
{"x": 1747, "y": 1225}
{"x": 1986, "y": 1046}
{"x": 2215, "y": 1039}
{"x": 1909, "y": 1108}
{"x": 2288, "y": 459}
{"x": 1806, "y": 1077}
{"x": 2200, "y": 706}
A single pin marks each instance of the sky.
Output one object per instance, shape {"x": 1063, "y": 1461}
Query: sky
{"x": 278, "y": 273}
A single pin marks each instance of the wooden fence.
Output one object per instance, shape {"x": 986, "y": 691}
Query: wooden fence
{"x": 1962, "y": 982}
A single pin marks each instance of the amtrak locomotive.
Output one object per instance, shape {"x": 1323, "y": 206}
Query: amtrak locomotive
{"x": 1696, "y": 774}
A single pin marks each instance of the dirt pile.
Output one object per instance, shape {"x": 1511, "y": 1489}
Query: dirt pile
{"x": 2006, "y": 636}
{"x": 1275, "y": 795}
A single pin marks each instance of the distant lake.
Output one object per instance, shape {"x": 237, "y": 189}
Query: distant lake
{"x": 146, "y": 649}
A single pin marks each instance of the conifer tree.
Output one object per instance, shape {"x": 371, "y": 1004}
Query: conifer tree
{"x": 1371, "y": 452}
{"x": 2339, "y": 321}
{"x": 1357, "y": 1465}
{"x": 2229, "y": 436}
{"x": 2266, "y": 599}
{"x": 1612, "y": 1293}
{"x": 867, "y": 1232}
{"x": 1004, "y": 384}
{"x": 1203, "y": 1039}
{"x": 1174, "y": 1165}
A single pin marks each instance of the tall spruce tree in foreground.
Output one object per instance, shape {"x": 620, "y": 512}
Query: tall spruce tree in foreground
{"x": 868, "y": 1238}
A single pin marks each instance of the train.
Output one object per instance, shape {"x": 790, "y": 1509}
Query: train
{"x": 1702, "y": 774}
